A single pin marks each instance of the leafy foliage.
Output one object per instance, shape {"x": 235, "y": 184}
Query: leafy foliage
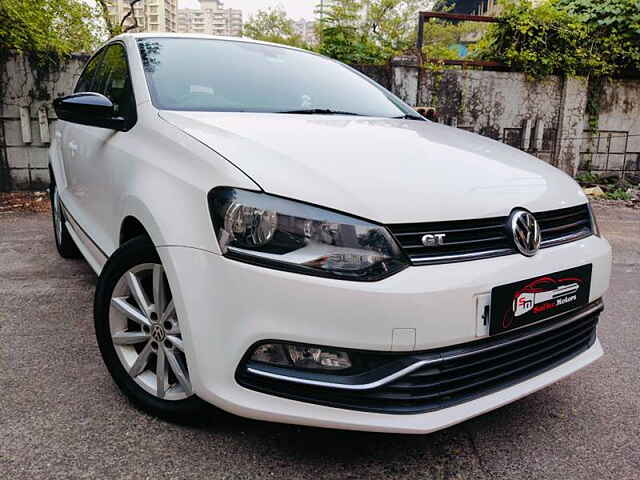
{"x": 440, "y": 37}
{"x": 443, "y": 5}
{"x": 571, "y": 37}
{"x": 616, "y": 26}
{"x": 368, "y": 31}
{"x": 618, "y": 194}
{"x": 273, "y": 25}
{"x": 55, "y": 26}
{"x": 587, "y": 177}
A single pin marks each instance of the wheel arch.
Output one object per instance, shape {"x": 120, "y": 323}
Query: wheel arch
{"x": 136, "y": 220}
{"x": 131, "y": 227}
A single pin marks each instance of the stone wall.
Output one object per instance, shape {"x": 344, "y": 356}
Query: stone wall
{"x": 26, "y": 117}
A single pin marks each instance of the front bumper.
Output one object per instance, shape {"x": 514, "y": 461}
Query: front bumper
{"x": 225, "y": 307}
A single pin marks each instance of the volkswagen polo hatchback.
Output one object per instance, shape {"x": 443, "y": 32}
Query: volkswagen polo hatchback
{"x": 277, "y": 235}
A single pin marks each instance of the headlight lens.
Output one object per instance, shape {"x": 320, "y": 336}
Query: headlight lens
{"x": 295, "y": 236}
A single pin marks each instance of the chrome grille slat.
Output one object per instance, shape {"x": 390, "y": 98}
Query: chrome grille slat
{"x": 476, "y": 239}
{"x": 563, "y": 227}
{"x": 454, "y": 230}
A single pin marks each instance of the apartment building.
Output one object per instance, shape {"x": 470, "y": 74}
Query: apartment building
{"x": 152, "y": 15}
{"x": 211, "y": 18}
{"x": 307, "y": 31}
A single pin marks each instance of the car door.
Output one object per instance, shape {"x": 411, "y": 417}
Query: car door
{"x": 70, "y": 187}
{"x": 99, "y": 150}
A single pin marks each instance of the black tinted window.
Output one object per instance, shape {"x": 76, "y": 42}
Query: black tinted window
{"x": 113, "y": 81}
{"x": 86, "y": 79}
{"x": 219, "y": 75}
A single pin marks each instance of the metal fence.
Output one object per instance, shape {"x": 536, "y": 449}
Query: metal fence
{"x": 607, "y": 151}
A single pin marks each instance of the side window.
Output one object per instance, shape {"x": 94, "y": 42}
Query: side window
{"x": 86, "y": 79}
{"x": 114, "y": 82}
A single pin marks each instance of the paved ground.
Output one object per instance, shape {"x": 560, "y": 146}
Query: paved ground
{"x": 62, "y": 417}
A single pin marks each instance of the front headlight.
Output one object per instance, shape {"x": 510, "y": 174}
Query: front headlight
{"x": 288, "y": 235}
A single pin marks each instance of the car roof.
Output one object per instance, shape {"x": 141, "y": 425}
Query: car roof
{"x": 199, "y": 36}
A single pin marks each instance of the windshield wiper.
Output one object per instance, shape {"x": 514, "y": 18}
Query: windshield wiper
{"x": 320, "y": 111}
{"x": 410, "y": 117}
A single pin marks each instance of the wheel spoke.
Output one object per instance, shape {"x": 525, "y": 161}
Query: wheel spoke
{"x": 129, "y": 311}
{"x": 141, "y": 362}
{"x": 169, "y": 312}
{"x": 176, "y": 342}
{"x": 138, "y": 293}
{"x": 157, "y": 363}
{"x": 178, "y": 371}
{"x": 162, "y": 379}
{"x": 159, "y": 295}
{"x": 129, "y": 338}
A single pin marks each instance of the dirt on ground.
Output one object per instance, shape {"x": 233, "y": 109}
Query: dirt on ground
{"x": 24, "y": 202}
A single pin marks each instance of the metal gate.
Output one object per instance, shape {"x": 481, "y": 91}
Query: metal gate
{"x": 607, "y": 151}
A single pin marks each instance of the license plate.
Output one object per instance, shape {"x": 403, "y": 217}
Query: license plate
{"x": 528, "y": 301}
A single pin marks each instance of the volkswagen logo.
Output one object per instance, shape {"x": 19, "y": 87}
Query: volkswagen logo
{"x": 157, "y": 333}
{"x": 526, "y": 232}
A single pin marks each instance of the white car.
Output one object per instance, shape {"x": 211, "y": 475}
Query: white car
{"x": 277, "y": 235}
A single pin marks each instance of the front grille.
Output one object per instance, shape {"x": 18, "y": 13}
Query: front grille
{"x": 455, "y": 374}
{"x": 487, "y": 237}
{"x": 565, "y": 225}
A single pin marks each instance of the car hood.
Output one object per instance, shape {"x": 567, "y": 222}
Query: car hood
{"x": 386, "y": 170}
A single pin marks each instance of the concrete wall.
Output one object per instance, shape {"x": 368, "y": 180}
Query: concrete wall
{"x": 26, "y": 115}
{"x": 543, "y": 117}
{"x": 619, "y": 113}
{"x": 502, "y": 105}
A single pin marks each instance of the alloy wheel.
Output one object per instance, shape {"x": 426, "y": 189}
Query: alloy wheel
{"x": 146, "y": 333}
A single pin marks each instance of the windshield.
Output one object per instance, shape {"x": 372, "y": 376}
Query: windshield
{"x": 231, "y": 76}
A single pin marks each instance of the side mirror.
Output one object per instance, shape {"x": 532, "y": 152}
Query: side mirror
{"x": 88, "y": 108}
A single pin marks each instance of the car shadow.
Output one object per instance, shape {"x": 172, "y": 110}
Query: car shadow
{"x": 316, "y": 444}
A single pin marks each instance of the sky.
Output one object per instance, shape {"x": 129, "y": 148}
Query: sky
{"x": 295, "y": 8}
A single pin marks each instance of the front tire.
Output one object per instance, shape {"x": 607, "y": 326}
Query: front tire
{"x": 139, "y": 334}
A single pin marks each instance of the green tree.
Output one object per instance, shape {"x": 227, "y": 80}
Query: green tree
{"x": 55, "y": 26}
{"x": 342, "y": 35}
{"x": 393, "y": 24}
{"x": 368, "y": 31}
{"x": 443, "y": 5}
{"x": 441, "y": 38}
{"x": 616, "y": 26}
{"x": 570, "y": 37}
{"x": 273, "y": 25}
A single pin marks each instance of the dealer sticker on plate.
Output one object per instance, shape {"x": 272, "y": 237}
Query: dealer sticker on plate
{"x": 528, "y": 301}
